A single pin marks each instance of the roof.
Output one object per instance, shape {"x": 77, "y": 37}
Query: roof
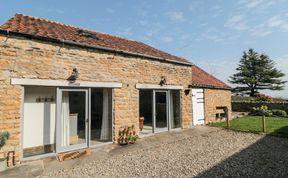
{"x": 200, "y": 78}
{"x": 39, "y": 27}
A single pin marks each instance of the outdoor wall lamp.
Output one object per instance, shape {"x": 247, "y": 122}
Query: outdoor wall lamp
{"x": 162, "y": 81}
{"x": 74, "y": 75}
{"x": 187, "y": 91}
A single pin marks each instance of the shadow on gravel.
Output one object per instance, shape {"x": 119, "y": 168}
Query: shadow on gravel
{"x": 267, "y": 157}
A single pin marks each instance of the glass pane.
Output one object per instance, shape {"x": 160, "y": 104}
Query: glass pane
{"x": 73, "y": 116}
{"x": 145, "y": 111}
{"x": 39, "y": 121}
{"x": 175, "y": 109}
{"x": 101, "y": 116}
{"x": 161, "y": 111}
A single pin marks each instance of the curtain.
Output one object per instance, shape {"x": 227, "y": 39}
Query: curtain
{"x": 65, "y": 112}
{"x": 105, "y": 132}
{"x": 172, "y": 111}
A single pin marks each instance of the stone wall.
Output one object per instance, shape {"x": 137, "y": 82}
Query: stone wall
{"x": 32, "y": 59}
{"x": 216, "y": 98}
{"x": 246, "y": 106}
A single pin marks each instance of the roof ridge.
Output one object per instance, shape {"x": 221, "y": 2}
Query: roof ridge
{"x": 94, "y": 31}
{"x": 74, "y": 26}
{"x": 24, "y": 24}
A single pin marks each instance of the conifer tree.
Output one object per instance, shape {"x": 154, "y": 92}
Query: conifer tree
{"x": 256, "y": 72}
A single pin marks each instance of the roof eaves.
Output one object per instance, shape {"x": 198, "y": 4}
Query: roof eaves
{"x": 7, "y": 32}
{"x": 209, "y": 86}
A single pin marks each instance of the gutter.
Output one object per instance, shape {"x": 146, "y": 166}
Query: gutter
{"x": 62, "y": 41}
{"x": 209, "y": 87}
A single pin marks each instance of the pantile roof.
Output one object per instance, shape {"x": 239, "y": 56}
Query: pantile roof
{"x": 200, "y": 78}
{"x": 40, "y": 27}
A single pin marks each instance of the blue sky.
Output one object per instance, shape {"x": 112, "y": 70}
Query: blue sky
{"x": 211, "y": 33}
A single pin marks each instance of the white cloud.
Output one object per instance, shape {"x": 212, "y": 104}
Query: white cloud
{"x": 109, "y": 10}
{"x": 52, "y": 10}
{"x": 251, "y": 3}
{"x": 142, "y": 12}
{"x": 177, "y": 16}
{"x": 152, "y": 32}
{"x": 256, "y": 6}
{"x": 279, "y": 21}
{"x": 260, "y": 31}
{"x": 167, "y": 39}
{"x": 212, "y": 35}
{"x": 126, "y": 32}
{"x": 216, "y": 10}
{"x": 194, "y": 5}
{"x": 237, "y": 22}
{"x": 217, "y": 36}
{"x": 216, "y": 7}
{"x": 152, "y": 29}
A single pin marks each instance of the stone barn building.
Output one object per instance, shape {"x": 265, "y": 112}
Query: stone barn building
{"x": 64, "y": 88}
{"x": 211, "y": 98}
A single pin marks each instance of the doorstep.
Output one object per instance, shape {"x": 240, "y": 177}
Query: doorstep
{"x": 36, "y": 168}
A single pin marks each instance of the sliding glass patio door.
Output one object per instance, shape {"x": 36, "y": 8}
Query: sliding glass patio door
{"x": 161, "y": 101}
{"x": 159, "y": 110}
{"x": 72, "y": 119}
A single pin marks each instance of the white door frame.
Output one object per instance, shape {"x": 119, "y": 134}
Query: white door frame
{"x": 60, "y": 148}
{"x": 167, "y": 92}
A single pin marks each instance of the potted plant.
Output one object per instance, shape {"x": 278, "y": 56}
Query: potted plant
{"x": 3, "y": 162}
{"x": 122, "y": 136}
{"x": 141, "y": 123}
{"x": 132, "y": 136}
{"x": 127, "y": 135}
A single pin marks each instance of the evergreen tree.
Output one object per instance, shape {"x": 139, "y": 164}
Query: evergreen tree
{"x": 256, "y": 72}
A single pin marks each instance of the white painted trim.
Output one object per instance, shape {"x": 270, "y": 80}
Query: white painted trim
{"x": 64, "y": 83}
{"x": 153, "y": 86}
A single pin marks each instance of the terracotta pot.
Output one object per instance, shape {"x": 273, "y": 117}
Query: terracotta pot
{"x": 141, "y": 123}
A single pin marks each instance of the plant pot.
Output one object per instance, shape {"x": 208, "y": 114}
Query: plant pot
{"x": 123, "y": 143}
{"x": 3, "y": 165}
{"x": 141, "y": 123}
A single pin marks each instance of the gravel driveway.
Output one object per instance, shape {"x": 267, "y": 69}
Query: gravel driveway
{"x": 197, "y": 152}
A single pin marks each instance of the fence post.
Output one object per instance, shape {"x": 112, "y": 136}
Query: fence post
{"x": 264, "y": 123}
{"x": 228, "y": 117}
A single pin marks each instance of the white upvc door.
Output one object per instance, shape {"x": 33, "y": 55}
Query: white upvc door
{"x": 198, "y": 106}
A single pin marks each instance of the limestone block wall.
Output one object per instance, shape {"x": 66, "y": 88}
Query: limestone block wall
{"x": 215, "y": 98}
{"x": 32, "y": 59}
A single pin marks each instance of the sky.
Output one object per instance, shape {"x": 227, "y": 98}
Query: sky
{"x": 210, "y": 33}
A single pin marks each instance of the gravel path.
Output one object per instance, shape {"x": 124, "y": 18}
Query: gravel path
{"x": 198, "y": 152}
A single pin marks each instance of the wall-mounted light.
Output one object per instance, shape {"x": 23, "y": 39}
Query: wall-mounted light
{"x": 162, "y": 81}
{"x": 187, "y": 91}
{"x": 74, "y": 75}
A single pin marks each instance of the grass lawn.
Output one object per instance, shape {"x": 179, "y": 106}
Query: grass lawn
{"x": 274, "y": 125}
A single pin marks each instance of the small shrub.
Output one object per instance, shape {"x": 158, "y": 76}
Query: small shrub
{"x": 3, "y": 138}
{"x": 261, "y": 111}
{"x": 280, "y": 113}
{"x": 265, "y": 98}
